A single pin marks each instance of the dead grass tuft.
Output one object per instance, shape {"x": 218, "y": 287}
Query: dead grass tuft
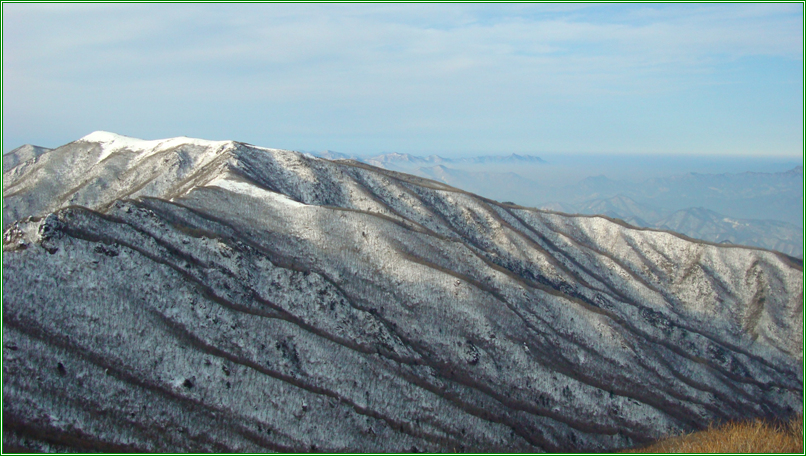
{"x": 739, "y": 437}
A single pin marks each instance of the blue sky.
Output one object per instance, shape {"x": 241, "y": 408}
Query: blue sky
{"x": 418, "y": 78}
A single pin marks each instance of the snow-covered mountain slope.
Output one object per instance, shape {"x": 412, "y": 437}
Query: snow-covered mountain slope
{"x": 22, "y": 154}
{"x": 186, "y": 295}
{"x": 102, "y": 167}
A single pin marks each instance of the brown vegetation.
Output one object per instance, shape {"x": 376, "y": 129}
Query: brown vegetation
{"x": 738, "y": 437}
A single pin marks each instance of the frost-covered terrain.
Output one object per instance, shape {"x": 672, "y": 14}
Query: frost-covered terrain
{"x": 190, "y": 295}
{"x": 765, "y": 209}
{"x": 22, "y": 154}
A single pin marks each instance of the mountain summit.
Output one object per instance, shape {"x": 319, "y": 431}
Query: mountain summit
{"x": 189, "y": 295}
{"x": 22, "y": 154}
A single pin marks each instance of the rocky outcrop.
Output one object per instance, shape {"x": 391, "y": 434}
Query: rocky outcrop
{"x": 187, "y": 295}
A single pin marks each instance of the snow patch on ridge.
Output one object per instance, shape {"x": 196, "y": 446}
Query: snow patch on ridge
{"x": 245, "y": 188}
{"x": 113, "y": 142}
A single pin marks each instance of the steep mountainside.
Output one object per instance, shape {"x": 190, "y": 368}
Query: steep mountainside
{"x": 22, "y": 154}
{"x": 189, "y": 295}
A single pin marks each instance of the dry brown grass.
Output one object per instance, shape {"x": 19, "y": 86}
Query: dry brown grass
{"x": 742, "y": 437}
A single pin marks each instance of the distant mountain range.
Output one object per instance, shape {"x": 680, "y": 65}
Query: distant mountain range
{"x": 698, "y": 223}
{"x": 702, "y": 223}
{"x": 395, "y": 159}
{"x": 750, "y": 195}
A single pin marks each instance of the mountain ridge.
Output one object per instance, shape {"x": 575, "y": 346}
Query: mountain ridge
{"x": 234, "y": 298}
{"x": 21, "y": 155}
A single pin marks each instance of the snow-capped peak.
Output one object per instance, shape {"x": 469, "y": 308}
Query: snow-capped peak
{"x": 113, "y": 142}
{"x": 111, "y": 139}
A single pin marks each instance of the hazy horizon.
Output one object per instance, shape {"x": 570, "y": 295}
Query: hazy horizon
{"x": 561, "y": 166}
